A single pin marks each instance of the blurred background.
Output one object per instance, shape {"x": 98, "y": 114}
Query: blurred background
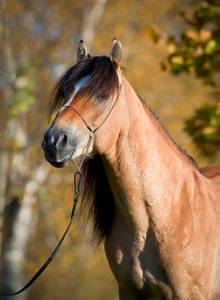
{"x": 171, "y": 58}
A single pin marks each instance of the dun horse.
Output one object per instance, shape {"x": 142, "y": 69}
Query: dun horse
{"x": 157, "y": 213}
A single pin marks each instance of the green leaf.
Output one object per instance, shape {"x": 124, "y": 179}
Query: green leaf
{"x": 211, "y": 46}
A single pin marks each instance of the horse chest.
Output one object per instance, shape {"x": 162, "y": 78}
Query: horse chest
{"x": 137, "y": 269}
{"x": 142, "y": 273}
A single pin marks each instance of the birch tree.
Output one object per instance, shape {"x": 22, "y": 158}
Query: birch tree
{"x": 19, "y": 180}
{"x": 20, "y": 177}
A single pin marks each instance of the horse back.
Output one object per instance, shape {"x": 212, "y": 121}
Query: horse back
{"x": 211, "y": 172}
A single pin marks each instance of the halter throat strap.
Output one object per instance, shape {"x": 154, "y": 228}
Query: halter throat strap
{"x": 92, "y": 132}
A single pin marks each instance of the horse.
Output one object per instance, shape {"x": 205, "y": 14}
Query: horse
{"x": 157, "y": 213}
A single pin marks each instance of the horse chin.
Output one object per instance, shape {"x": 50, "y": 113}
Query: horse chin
{"x": 60, "y": 164}
{"x": 63, "y": 163}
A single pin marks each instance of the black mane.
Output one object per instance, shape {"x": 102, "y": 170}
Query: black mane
{"x": 97, "y": 199}
{"x": 103, "y": 82}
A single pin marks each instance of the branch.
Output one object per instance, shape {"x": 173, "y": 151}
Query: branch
{"x": 91, "y": 22}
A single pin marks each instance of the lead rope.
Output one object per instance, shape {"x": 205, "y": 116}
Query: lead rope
{"x": 85, "y": 151}
{"x": 77, "y": 189}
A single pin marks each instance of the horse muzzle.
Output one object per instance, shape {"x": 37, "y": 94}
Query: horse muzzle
{"x": 58, "y": 147}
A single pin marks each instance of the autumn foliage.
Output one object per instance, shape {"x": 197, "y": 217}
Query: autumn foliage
{"x": 197, "y": 51}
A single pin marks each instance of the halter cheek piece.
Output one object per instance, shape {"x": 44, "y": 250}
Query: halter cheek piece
{"x": 87, "y": 125}
{"x": 77, "y": 188}
{"x": 92, "y": 131}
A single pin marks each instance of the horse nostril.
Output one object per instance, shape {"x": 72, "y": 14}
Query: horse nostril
{"x": 63, "y": 141}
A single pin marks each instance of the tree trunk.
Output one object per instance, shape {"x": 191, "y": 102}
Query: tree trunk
{"x": 91, "y": 21}
{"x": 18, "y": 221}
{"x": 21, "y": 222}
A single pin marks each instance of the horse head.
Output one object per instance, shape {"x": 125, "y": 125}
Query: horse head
{"x": 85, "y": 95}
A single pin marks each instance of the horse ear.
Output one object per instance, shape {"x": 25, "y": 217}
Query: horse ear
{"x": 81, "y": 51}
{"x": 116, "y": 53}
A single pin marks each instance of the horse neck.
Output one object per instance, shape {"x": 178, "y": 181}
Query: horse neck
{"x": 145, "y": 164}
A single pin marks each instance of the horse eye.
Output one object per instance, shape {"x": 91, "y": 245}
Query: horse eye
{"x": 101, "y": 97}
{"x": 98, "y": 97}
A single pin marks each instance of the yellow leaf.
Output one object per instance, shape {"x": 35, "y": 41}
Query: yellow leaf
{"x": 178, "y": 60}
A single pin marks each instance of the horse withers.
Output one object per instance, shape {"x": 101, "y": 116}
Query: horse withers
{"x": 157, "y": 213}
